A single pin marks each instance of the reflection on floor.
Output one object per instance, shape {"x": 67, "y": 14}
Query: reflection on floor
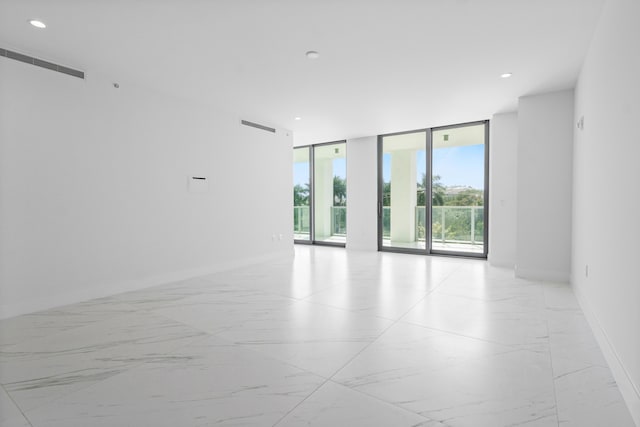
{"x": 336, "y": 238}
{"x": 476, "y": 248}
{"x": 328, "y": 338}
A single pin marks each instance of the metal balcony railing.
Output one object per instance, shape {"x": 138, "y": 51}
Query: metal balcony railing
{"x": 339, "y": 220}
{"x": 301, "y": 220}
{"x": 450, "y": 224}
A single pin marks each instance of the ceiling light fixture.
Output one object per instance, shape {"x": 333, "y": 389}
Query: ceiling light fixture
{"x": 38, "y": 24}
{"x": 312, "y": 54}
{"x": 506, "y": 75}
{"x": 298, "y": 118}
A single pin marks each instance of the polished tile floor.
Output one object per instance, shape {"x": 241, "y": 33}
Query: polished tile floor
{"x": 330, "y": 338}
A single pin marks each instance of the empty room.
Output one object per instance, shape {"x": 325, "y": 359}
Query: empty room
{"x": 326, "y": 213}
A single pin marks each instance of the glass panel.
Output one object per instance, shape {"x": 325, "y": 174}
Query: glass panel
{"x": 301, "y": 191}
{"x": 403, "y": 193}
{"x": 458, "y": 189}
{"x": 330, "y": 192}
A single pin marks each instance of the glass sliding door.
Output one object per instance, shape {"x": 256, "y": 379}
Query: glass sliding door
{"x": 459, "y": 184}
{"x": 432, "y": 190}
{"x": 403, "y": 189}
{"x": 330, "y": 193}
{"x": 302, "y": 194}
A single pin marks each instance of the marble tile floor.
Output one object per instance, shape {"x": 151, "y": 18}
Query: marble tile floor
{"x": 329, "y": 338}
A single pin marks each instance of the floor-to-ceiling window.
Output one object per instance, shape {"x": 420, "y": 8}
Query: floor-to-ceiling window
{"x": 432, "y": 190}
{"x": 330, "y": 193}
{"x": 403, "y": 185}
{"x": 459, "y": 184}
{"x": 302, "y": 194}
{"x": 320, "y": 194}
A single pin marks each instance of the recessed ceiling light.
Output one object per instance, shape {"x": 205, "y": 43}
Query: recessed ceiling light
{"x": 506, "y": 75}
{"x": 38, "y": 24}
{"x": 312, "y": 54}
{"x": 298, "y": 118}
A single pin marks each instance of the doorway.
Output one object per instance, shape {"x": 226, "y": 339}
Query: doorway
{"x": 433, "y": 190}
{"x": 320, "y": 194}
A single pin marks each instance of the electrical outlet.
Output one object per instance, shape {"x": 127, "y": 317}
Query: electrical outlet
{"x": 280, "y": 237}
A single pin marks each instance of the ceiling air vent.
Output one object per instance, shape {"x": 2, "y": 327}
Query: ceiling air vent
{"x": 257, "y": 126}
{"x": 40, "y": 63}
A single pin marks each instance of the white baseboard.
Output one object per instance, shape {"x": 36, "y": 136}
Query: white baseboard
{"x": 542, "y": 275}
{"x": 58, "y": 300}
{"x": 502, "y": 263}
{"x": 630, "y": 391}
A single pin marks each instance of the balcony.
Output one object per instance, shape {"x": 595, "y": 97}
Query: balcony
{"x": 455, "y": 228}
{"x": 301, "y": 223}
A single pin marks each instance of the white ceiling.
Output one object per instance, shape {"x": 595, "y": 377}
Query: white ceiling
{"x": 456, "y": 137}
{"x": 385, "y": 65}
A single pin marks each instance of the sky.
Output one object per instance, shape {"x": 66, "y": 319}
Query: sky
{"x": 460, "y": 165}
{"x": 455, "y": 165}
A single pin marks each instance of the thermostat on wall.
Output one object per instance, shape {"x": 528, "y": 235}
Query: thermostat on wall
{"x": 198, "y": 184}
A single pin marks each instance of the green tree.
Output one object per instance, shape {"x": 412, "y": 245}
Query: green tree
{"x": 301, "y": 195}
{"x": 339, "y": 191}
{"x": 386, "y": 194}
{"x": 437, "y": 197}
{"x": 470, "y": 197}
{"x": 438, "y": 191}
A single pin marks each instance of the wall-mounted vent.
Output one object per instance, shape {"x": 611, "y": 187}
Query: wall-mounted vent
{"x": 40, "y": 63}
{"x": 257, "y": 126}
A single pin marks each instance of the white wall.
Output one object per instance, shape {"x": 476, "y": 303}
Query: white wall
{"x": 543, "y": 231}
{"x": 503, "y": 160}
{"x": 606, "y": 204}
{"x": 93, "y": 189}
{"x": 362, "y": 194}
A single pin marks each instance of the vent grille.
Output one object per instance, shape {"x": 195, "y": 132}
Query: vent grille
{"x": 40, "y": 63}
{"x": 257, "y": 126}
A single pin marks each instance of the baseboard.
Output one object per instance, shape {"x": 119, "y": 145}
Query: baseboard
{"x": 630, "y": 391}
{"x": 542, "y": 275}
{"x": 53, "y": 301}
{"x": 502, "y": 263}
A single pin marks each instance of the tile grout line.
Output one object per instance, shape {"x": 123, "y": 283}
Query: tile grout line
{"x": 399, "y": 320}
{"x": 116, "y": 314}
{"x": 16, "y": 405}
{"x": 371, "y": 396}
{"x": 330, "y": 378}
{"x": 441, "y": 286}
{"x": 129, "y": 368}
{"x": 326, "y": 379}
{"x": 553, "y": 378}
{"x": 299, "y": 403}
{"x": 395, "y": 321}
{"x": 513, "y": 347}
